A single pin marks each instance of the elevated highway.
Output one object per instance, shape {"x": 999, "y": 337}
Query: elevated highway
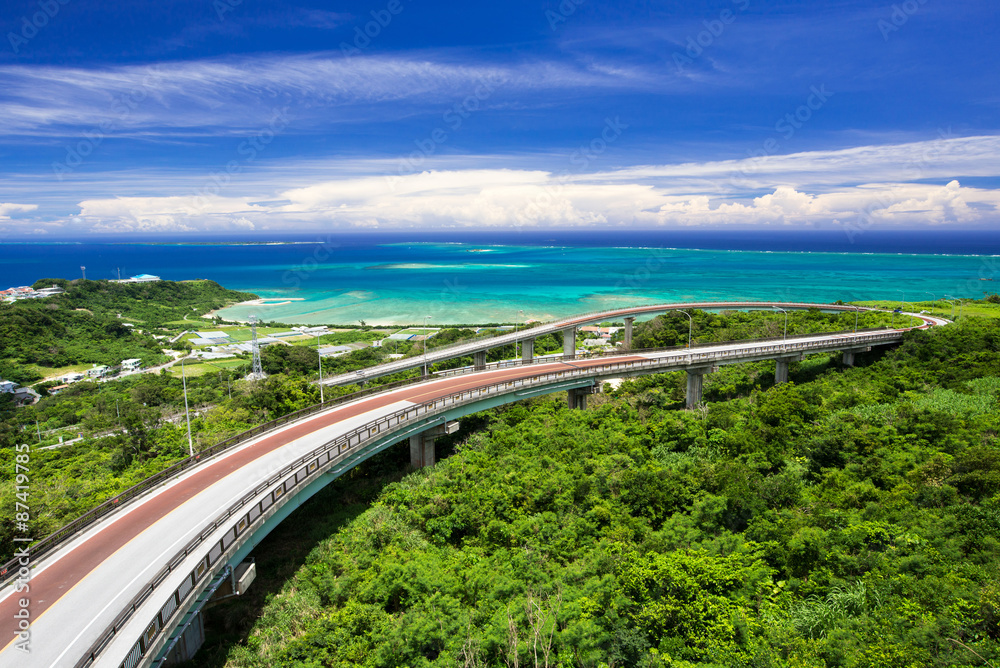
{"x": 126, "y": 588}
{"x": 567, "y": 328}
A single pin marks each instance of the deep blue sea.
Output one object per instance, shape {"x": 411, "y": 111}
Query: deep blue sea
{"x": 475, "y": 277}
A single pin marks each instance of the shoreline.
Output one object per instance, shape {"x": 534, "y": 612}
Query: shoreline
{"x": 264, "y": 301}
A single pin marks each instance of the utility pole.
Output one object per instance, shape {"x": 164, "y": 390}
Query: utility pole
{"x": 187, "y": 414}
{"x": 320, "y": 356}
{"x": 257, "y": 373}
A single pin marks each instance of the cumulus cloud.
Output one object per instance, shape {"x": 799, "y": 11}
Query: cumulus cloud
{"x": 511, "y": 198}
{"x": 7, "y": 208}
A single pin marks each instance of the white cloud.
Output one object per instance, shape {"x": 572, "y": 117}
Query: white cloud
{"x": 807, "y": 189}
{"x": 7, "y": 208}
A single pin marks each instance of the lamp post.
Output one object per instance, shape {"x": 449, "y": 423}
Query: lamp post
{"x": 857, "y": 309}
{"x": 952, "y": 305}
{"x": 516, "y": 341}
{"x": 187, "y": 413}
{"x": 784, "y": 335}
{"x": 690, "y": 326}
{"x": 319, "y": 355}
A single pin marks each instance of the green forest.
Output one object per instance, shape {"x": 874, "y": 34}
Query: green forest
{"x": 850, "y": 517}
{"x": 98, "y": 322}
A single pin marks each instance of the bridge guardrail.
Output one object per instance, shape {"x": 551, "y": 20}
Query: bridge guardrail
{"x": 312, "y": 464}
{"x": 511, "y": 337}
{"x": 53, "y": 541}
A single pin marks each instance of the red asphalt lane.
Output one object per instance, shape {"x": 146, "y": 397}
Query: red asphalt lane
{"x": 58, "y": 578}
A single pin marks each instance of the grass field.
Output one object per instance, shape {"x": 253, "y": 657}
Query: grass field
{"x": 194, "y": 369}
{"x": 942, "y": 308}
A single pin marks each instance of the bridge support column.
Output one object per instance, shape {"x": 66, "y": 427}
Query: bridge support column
{"x": 695, "y": 385}
{"x": 422, "y": 451}
{"x": 528, "y": 351}
{"x": 781, "y": 368}
{"x": 479, "y": 360}
{"x": 577, "y": 397}
{"x": 628, "y": 332}
{"x": 569, "y": 343}
{"x": 780, "y": 371}
{"x": 848, "y": 358}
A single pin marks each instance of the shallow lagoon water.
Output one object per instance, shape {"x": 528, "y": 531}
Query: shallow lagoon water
{"x": 410, "y": 279}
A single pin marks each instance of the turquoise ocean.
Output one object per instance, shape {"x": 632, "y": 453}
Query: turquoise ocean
{"x": 479, "y": 277}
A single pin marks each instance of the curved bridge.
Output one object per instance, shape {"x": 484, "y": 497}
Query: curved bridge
{"x": 127, "y": 589}
{"x": 567, "y": 327}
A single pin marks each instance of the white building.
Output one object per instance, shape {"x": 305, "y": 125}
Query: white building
{"x": 131, "y": 365}
{"x": 98, "y": 371}
{"x": 7, "y": 386}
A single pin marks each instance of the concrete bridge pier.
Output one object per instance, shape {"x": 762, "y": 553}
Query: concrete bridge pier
{"x": 781, "y": 368}
{"x": 569, "y": 343}
{"x": 695, "y": 385}
{"x": 528, "y": 351}
{"x": 577, "y": 397}
{"x": 851, "y": 352}
{"x": 479, "y": 360}
{"x": 628, "y": 332}
{"x": 422, "y": 452}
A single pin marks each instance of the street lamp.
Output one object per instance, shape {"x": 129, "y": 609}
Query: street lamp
{"x": 187, "y": 413}
{"x": 690, "y": 325}
{"x": 784, "y": 335}
{"x": 516, "y": 341}
{"x": 857, "y": 309}
{"x": 952, "y": 305}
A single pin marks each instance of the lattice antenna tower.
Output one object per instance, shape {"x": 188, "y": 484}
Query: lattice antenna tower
{"x": 258, "y": 372}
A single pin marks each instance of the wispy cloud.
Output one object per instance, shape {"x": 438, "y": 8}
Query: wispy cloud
{"x": 228, "y": 96}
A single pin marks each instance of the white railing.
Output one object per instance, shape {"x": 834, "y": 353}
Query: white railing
{"x": 252, "y": 510}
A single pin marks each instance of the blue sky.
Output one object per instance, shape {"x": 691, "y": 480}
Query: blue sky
{"x": 254, "y": 116}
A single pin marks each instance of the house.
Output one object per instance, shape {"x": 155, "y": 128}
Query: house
{"x": 98, "y": 371}
{"x": 141, "y": 278}
{"x": 131, "y": 365}
{"x": 57, "y": 389}
{"x": 72, "y": 377}
{"x": 7, "y": 386}
{"x": 25, "y": 395}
